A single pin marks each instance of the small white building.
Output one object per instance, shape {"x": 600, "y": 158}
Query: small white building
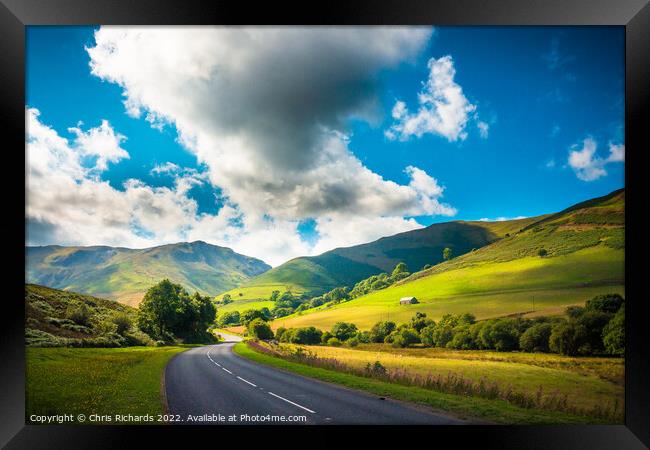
{"x": 408, "y": 301}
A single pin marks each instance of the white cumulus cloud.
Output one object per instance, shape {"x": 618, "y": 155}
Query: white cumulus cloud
{"x": 266, "y": 113}
{"x": 443, "y": 108}
{"x": 587, "y": 165}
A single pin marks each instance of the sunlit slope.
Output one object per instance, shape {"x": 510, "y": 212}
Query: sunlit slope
{"x": 585, "y": 257}
{"x": 347, "y": 266}
{"x": 125, "y": 274}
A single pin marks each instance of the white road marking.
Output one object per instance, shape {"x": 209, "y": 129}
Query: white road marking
{"x": 227, "y": 370}
{"x": 246, "y": 381}
{"x": 295, "y": 404}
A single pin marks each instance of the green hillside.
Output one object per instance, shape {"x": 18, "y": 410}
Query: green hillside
{"x": 585, "y": 253}
{"x": 58, "y": 318}
{"x": 124, "y": 274}
{"x": 346, "y": 266}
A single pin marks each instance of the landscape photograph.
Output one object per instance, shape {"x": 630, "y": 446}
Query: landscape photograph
{"x": 324, "y": 225}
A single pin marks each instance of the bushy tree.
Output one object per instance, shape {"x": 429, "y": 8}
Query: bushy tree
{"x": 334, "y": 342}
{"x": 160, "y": 309}
{"x": 352, "y": 342}
{"x": 462, "y": 338}
{"x": 227, "y": 298}
{"x": 279, "y": 332}
{"x": 306, "y": 335}
{"x": 229, "y": 318}
{"x": 343, "y": 330}
{"x": 593, "y": 322}
{"x": 536, "y": 338}
{"x": 447, "y": 254}
{"x": 260, "y": 329}
{"x": 405, "y": 337}
{"x": 364, "y": 337}
{"x": 567, "y": 337}
{"x": 542, "y": 252}
{"x": 501, "y": 334}
{"x": 274, "y": 296}
{"x": 419, "y": 321}
{"x": 326, "y": 337}
{"x": 608, "y": 303}
{"x": 380, "y": 330}
{"x": 575, "y": 311}
{"x": 614, "y": 334}
{"x": 252, "y": 314}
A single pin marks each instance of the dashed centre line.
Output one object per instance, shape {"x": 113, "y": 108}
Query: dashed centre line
{"x": 246, "y": 381}
{"x": 254, "y": 385}
{"x": 294, "y": 404}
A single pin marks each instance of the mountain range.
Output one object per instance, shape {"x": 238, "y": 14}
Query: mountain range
{"x": 124, "y": 274}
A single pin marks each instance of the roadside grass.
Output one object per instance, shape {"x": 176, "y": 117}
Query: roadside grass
{"x": 605, "y": 368}
{"x": 471, "y": 408}
{"x": 104, "y": 381}
{"x": 486, "y": 289}
{"x": 581, "y": 390}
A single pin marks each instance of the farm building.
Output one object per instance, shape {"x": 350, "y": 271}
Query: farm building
{"x": 408, "y": 300}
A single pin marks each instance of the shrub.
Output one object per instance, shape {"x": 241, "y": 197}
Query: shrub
{"x": 567, "y": 337}
{"x": 79, "y": 313}
{"x": 122, "y": 322}
{"x": 352, "y": 342}
{"x": 462, "y": 339}
{"x": 343, "y": 330}
{"x": 326, "y": 337}
{"x": 535, "y": 338}
{"x": 614, "y": 334}
{"x": 405, "y": 337}
{"x": 608, "y": 303}
{"x": 229, "y": 318}
{"x": 306, "y": 335}
{"x": 593, "y": 322}
{"x": 259, "y": 329}
{"x": 542, "y": 252}
{"x": 363, "y": 337}
{"x": 334, "y": 342}
{"x": 280, "y": 331}
{"x": 380, "y": 330}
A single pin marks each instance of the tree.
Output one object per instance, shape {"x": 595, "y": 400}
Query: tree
{"x": 614, "y": 334}
{"x": 380, "y": 330}
{"x": 419, "y": 321}
{"x": 227, "y": 298}
{"x": 501, "y": 334}
{"x": 343, "y": 330}
{"x": 447, "y": 254}
{"x": 593, "y": 322}
{"x": 426, "y": 266}
{"x": 405, "y": 337}
{"x": 535, "y": 338}
{"x": 159, "y": 310}
{"x": 462, "y": 339}
{"x": 259, "y": 329}
{"x": 229, "y": 318}
{"x": 306, "y": 335}
{"x": 274, "y": 296}
{"x": 334, "y": 342}
{"x": 326, "y": 337}
{"x": 400, "y": 268}
{"x": 567, "y": 337}
{"x": 608, "y": 303}
{"x": 542, "y": 252}
{"x": 252, "y": 314}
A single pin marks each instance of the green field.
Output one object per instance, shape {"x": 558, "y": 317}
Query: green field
{"x": 587, "y": 382}
{"x": 254, "y": 297}
{"x": 472, "y": 408}
{"x": 104, "y": 381}
{"x": 488, "y": 289}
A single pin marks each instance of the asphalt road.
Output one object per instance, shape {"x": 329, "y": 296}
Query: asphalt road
{"x": 211, "y": 385}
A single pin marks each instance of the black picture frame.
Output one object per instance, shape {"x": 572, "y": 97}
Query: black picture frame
{"x": 634, "y": 15}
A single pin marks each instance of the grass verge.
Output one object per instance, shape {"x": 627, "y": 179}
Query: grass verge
{"x": 103, "y": 381}
{"x": 470, "y": 408}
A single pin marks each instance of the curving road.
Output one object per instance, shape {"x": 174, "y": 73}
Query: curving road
{"x": 212, "y": 385}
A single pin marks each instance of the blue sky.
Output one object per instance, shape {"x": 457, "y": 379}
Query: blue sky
{"x": 550, "y": 99}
